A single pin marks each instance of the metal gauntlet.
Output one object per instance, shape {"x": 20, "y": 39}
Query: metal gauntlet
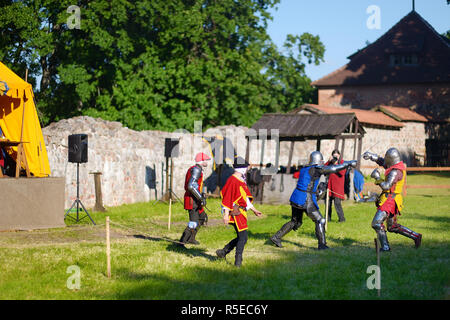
{"x": 338, "y": 167}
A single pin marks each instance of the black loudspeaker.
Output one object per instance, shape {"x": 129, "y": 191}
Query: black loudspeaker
{"x": 78, "y": 148}
{"x": 171, "y": 148}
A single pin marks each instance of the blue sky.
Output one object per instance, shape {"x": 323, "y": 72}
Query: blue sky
{"x": 342, "y": 25}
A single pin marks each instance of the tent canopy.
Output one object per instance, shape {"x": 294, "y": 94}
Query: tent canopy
{"x": 17, "y": 107}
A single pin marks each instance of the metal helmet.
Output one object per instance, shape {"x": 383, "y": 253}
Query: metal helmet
{"x": 391, "y": 157}
{"x": 315, "y": 158}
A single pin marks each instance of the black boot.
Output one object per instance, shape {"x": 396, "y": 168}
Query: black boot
{"x": 221, "y": 253}
{"x": 238, "y": 260}
{"x": 186, "y": 236}
{"x": 276, "y": 238}
{"x": 192, "y": 238}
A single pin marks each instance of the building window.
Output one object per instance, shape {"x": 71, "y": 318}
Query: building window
{"x": 410, "y": 60}
{"x": 395, "y": 59}
{"x": 403, "y": 60}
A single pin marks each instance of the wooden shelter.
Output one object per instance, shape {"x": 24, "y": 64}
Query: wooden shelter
{"x": 301, "y": 127}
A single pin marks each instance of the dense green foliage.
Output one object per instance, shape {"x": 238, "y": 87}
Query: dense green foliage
{"x": 157, "y": 64}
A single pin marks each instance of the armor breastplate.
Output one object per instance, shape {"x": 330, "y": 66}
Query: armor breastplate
{"x": 188, "y": 177}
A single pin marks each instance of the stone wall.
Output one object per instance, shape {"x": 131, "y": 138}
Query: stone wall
{"x": 127, "y": 158}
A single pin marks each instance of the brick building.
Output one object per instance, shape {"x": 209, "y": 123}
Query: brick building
{"x": 408, "y": 67}
{"x": 399, "y": 127}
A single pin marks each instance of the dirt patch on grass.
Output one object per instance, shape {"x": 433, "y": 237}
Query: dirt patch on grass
{"x": 71, "y": 234}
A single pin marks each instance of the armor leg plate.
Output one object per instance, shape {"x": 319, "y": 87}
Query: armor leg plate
{"x": 320, "y": 228}
{"x": 393, "y": 226}
{"x": 378, "y": 226}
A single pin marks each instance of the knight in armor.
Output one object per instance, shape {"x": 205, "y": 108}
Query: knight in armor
{"x": 194, "y": 199}
{"x": 304, "y": 198}
{"x": 390, "y": 202}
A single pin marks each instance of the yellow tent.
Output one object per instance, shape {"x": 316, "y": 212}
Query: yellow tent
{"x": 17, "y": 107}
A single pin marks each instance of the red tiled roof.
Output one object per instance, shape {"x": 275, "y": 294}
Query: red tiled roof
{"x": 402, "y": 114}
{"x": 364, "y": 116}
{"x": 411, "y": 35}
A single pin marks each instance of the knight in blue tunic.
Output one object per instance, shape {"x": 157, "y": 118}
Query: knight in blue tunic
{"x": 304, "y": 198}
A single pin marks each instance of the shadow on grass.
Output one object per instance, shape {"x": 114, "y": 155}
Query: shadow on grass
{"x": 438, "y": 219}
{"x": 191, "y": 252}
{"x": 140, "y": 236}
{"x": 268, "y": 280}
{"x": 349, "y": 258}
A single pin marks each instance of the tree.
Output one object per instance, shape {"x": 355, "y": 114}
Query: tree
{"x": 157, "y": 64}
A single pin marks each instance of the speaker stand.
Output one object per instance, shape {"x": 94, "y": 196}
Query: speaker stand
{"x": 169, "y": 195}
{"x": 78, "y": 202}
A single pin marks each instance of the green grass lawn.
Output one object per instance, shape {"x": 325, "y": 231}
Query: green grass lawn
{"x": 147, "y": 265}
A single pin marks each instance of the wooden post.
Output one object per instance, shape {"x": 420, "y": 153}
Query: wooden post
{"x": 343, "y": 149}
{"x": 21, "y": 156}
{"x": 356, "y": 139}
{"x": 291, "y": 151}
{"x": 98, "y": 192}
{"x": 247, "y": 151}
{"x": 277, "y": 154}
{"x": 170, "y": 213}
{"x": 336, "y": 144}
{"x": 351, "y": 175}
{"x": 263, "y": 145}
{"x": 358, "y": 166}
{"x": 108, "y": 250}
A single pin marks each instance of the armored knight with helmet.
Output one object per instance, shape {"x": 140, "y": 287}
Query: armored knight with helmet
{"x": 304, "y": 198}
{"x": 390, "y": 202}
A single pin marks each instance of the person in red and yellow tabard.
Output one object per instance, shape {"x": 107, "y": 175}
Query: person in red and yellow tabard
{"x": 336, "y": 183}
{"x": 390, "y": 203}
{"x": 194, "y": 199}
{"x": 236, "y": 201}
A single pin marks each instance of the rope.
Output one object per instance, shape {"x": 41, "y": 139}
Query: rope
{"x": 178, "y": 242}
{"x": 145, "y": 233}
{"x": 342, "y": 195}
{"x": 68, "y": 229}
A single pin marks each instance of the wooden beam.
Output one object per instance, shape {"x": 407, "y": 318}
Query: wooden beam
{"x": 358, "y": 155}
{"x": 356, "y": 138}
{"x": 263, "y": 147}
{"x": 247, "y": 151}
{"x": 336, "y": 143}
{"x": 343, "y": 149}
{"x": 350, "y": 136}
{"x": 291, "y": 151}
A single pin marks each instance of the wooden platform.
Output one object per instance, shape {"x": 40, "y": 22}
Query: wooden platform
{"x": 31, "y": 203}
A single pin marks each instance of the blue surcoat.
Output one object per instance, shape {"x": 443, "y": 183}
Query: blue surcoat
{"x": 307, "y": 183}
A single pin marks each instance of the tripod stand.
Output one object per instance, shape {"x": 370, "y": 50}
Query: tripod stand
{"x": 78, "y": 202}
{"x": 169, "y": 195}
